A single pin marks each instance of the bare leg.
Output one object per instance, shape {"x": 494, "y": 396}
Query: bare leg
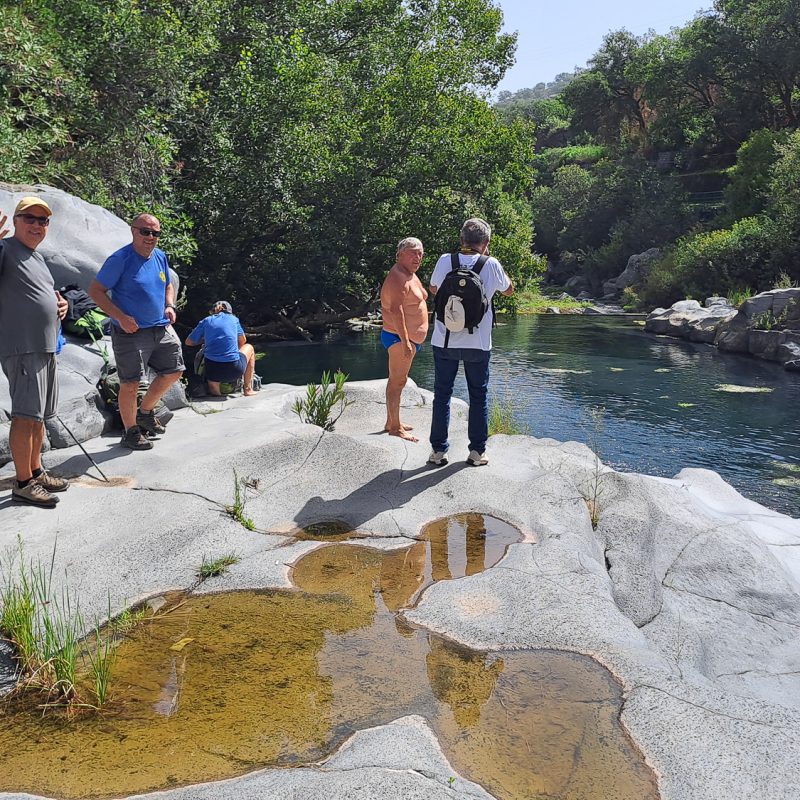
{"x": 157, "y": 390}
{"x": 214, "y": 388}
{"x": 36, "y": 449}
{"x": 247, "y": 381}
{"x": 127, "y": 403}
{"x": 399, "y": 364}
{"x": 22, "y": 438}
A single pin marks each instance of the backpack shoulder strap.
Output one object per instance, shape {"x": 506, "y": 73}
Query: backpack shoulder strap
{"x": 479, "y": 264}
{"x": 454, "y": 262}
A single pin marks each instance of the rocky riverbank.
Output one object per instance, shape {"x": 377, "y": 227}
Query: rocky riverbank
{"x": 765, "y": 326}
{"x": 686, "y": 591}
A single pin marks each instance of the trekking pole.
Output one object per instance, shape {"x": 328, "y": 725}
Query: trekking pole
{"x": 82, "y": 448}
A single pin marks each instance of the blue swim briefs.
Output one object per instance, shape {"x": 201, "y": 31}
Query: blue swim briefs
{"x": 388, "y": 339}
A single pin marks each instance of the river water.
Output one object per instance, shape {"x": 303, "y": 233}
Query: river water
{"x": 648, "y": 404}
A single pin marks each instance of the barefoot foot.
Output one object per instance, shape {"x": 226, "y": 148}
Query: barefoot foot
{"x": 403, "y": 434}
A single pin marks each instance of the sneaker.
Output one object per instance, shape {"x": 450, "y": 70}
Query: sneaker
{"x": 135, "y": 440}
{"x": 52, "y": 483}
{"x": 477, "y": 459}
{"x": 437, "y": 459}
{"x": 148, "y": 421}
{"x": 34, "y": 494}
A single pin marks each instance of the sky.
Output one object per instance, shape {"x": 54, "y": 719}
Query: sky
{"x": 558, "y": 35}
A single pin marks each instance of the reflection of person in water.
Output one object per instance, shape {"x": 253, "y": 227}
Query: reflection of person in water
{"x": 443, "y": 549}
{"x": 475, "y": 544}
{"x": 402, "y": 574}
{"x": 461, "y": 678}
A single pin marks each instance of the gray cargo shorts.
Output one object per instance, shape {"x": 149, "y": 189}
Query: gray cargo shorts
{"x": 32, "y": 384}
{"x": 158, "y": 348}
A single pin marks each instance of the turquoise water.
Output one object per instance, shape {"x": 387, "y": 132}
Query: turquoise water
{"x": 602, "y": 379}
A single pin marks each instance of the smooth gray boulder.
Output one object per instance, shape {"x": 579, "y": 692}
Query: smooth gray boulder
{"x": 80, "y": 237}
{"x": 80, "y": 407}
{"x": 636, "y": 270}
{"x": 766, "y": 326}
{"x": 687, "y": 319}
{"x": 763, "y": 325}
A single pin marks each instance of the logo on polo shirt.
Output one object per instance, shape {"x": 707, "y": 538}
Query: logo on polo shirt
{"x": 163, "y": 276}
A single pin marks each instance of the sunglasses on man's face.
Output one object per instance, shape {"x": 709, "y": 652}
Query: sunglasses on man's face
{"x": 32, "y": 218}
{"x": 148, "y": 232}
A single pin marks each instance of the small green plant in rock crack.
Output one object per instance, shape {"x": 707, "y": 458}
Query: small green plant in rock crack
{"x": 323, "y": 401}
{"x": 503, "y": 418}
{"x": 236, "y": 510}
{"x": 210, "y": 568}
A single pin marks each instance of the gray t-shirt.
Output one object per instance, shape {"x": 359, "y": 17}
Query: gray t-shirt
{"x": 28, "y": 305}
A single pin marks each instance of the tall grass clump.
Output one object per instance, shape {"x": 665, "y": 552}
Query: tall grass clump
{"x": 323, "y": 403}
{"x": 503, "y": 418}
{"x": 46, "y": 629}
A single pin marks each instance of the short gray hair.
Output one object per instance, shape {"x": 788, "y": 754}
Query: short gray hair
{"x": 475, "y": 231}
{"x": 409, "y": 243}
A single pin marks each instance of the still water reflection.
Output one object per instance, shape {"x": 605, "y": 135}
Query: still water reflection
{"x": 662, "y": 410}
{"x": 227, "y": 683}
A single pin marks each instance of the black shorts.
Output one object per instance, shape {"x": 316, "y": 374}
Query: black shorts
{"x": 225, "y": 371}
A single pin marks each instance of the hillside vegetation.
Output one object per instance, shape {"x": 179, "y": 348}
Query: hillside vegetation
{"x": 288, "y": 145}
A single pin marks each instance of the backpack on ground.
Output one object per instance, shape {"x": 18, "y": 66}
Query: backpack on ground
{"x": 108, "y": 387}
{"x": 83, "y": 317}
{"x": 461, "y": 301}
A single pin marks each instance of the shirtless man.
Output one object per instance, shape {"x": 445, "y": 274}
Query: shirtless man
{"x": 405, "y": 326}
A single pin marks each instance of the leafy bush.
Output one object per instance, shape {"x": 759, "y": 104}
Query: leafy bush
{"x": 317, "y": 407}
{"x": 715, "y": 262}
{"x": 747, "y": 193}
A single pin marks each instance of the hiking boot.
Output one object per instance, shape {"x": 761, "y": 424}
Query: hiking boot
{"x": 34, "y": 494}
{"x": 477, "y": 459}
{"x": 437, "y": 459}
{"x": 135, "y": 440}
{"x": 148, "y": 421}
{"x": 52, "y": 483}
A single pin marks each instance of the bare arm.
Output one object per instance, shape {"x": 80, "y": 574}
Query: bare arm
{"x": 241, "y": 340}
{"x": 169, "y": 300}
{"x": 508, "y": 292}
{"x": 99, "y": 294}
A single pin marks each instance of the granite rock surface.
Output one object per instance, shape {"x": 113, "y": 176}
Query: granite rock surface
{"x": 688, "y": 592}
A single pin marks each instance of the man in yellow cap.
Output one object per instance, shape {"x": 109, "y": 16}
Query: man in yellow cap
{"x": 30, "y": 310}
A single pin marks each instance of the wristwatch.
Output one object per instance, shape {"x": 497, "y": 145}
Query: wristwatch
{"x": 169, "y": 305}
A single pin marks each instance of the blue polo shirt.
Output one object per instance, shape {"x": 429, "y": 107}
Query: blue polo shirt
{"x": 221, "y": 333}
{"x": 138, "y": 284}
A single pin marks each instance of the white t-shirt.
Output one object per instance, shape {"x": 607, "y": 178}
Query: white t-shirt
{"x": 494, "y": 280}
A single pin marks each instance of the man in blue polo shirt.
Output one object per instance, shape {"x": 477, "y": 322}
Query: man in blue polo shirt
{"x": 134, "y": 288}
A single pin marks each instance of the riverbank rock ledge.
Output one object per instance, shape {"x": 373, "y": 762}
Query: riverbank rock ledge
{"x": 765, "y": 326}
{"x": 688, "y": 592}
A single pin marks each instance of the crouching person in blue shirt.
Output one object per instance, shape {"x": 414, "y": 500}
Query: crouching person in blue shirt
{"x": 228, "y": 358}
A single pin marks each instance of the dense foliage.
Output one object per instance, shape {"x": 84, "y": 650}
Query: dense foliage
{"x": 682, "y": 141}
{"x": 286, "y": 146}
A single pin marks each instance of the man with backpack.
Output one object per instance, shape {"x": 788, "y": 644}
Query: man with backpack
{"x": 464, "y": 284}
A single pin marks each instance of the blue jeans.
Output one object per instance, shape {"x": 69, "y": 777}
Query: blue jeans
{"x": 476, "y": 371}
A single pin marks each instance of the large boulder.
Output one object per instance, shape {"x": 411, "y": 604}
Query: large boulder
{"x": 81, "y": 235}
{"x": 81, "y": 411}
{"x": 763, "y": 325}
{"x": 635, "y": 271}
{"x": 687, "y": 319}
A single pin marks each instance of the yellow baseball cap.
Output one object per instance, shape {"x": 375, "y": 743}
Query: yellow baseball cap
{"x": 30, "y": 202}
